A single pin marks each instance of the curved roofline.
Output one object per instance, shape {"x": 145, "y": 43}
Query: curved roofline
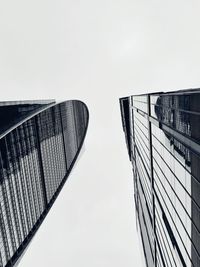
{"x": 14, "y": 259}
{"x": 35, "y": 101}
{"x": 36, "y": 113}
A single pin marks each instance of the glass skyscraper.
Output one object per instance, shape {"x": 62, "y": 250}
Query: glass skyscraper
{"x": 162, "y": 133}
{"x": 39, "y": 144}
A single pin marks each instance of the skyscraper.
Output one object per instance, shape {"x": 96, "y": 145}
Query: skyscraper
{"x": 163, "y": 138}
{"x": 39, "y": 144}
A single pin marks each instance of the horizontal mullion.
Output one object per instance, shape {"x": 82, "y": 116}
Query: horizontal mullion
{"x": 143, "y": 153}
{"x": 145, "y": 166}
{"x": 140, "y": 142}
{"x": 160, "y": 253}
{"x": 138, "y": 135}
{"x": 144, "y": 184}
{"x": 175, "y": 208}
{"x": 149, "y": 239}
{"x": 138, "y": 128}
{"x": 148, "y": 216}
{"x": 177, "y": 158}
{"x": 159, "y": 238}
{"x": 140, "y": 121}
{"x": 158, "y": 226}
{"x": 173, "y": 220}
{"x": 177, "y": 109}
{"x": 135, "y": 100}
{"x": 192, "y": 199}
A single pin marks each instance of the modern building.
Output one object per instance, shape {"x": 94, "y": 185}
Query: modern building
{"x": 39, "y": 144}
{"x": 163, "y": 138}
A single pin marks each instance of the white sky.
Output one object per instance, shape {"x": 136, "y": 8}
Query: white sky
{"x": 95, "y": 51}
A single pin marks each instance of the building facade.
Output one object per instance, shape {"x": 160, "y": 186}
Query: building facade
{"x": 162, "y": 133}
{"x": 39, "y": 144}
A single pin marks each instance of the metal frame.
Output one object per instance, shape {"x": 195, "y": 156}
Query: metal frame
{"x": 18, "y": 253}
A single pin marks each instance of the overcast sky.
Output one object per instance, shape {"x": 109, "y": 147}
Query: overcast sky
{"x": 95, "y": 51}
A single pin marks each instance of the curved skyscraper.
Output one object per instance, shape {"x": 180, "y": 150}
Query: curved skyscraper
{"x": 39, "y": 144}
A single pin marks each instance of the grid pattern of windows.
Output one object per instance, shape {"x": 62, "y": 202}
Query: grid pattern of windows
{"x": 164, "y": 150}
{"x": 35, "y": 159}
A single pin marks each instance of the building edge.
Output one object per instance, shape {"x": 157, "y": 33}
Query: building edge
{"x": 22, "y": 248}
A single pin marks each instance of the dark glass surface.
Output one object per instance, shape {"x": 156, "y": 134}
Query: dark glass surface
{"x": 166, "y": 168}
{"x": 35, "y": 160}
{"x": 124, "y": 106}
{"x": 11, "y": 113}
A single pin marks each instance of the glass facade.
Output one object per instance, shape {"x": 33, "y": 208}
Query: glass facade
{"x": 36, "y": 157}
{"x": 163, "y": 138}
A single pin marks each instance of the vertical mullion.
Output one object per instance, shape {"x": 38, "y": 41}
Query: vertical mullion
{"x": 38, "y": 143}
{"x": 135, "y": 175}
{"x": 25, "y": 197}
{"x": 18, "y": 195}
{"x": 50, "y": 145}
{"x": 53, "y": 145}
{"x": 57, "y": 149}
{"x": 63, "y": 132}
{"x": 27, "y": 182}
{"x": 14, "y": 186}
{"x": 5, "y": 248}
{"x": 60, "y": 146}
{"x": 36, "y": 168}
{"x": 9, "y": 210}
{"x": 2, "y": 251}
{"x": 152, "y": 177}
{"x": 12, "y": 203}
{"x": 20, "y": 188}
{"x": 62, "y": 156}
{"x": 31, "y": 168}
{"x": 6, "y": 253}
{"x": 73, "y": 110}
{"x": 24, "y": 176}
{"x": 6, "y": 220}
{"x": 48, "y": 150}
